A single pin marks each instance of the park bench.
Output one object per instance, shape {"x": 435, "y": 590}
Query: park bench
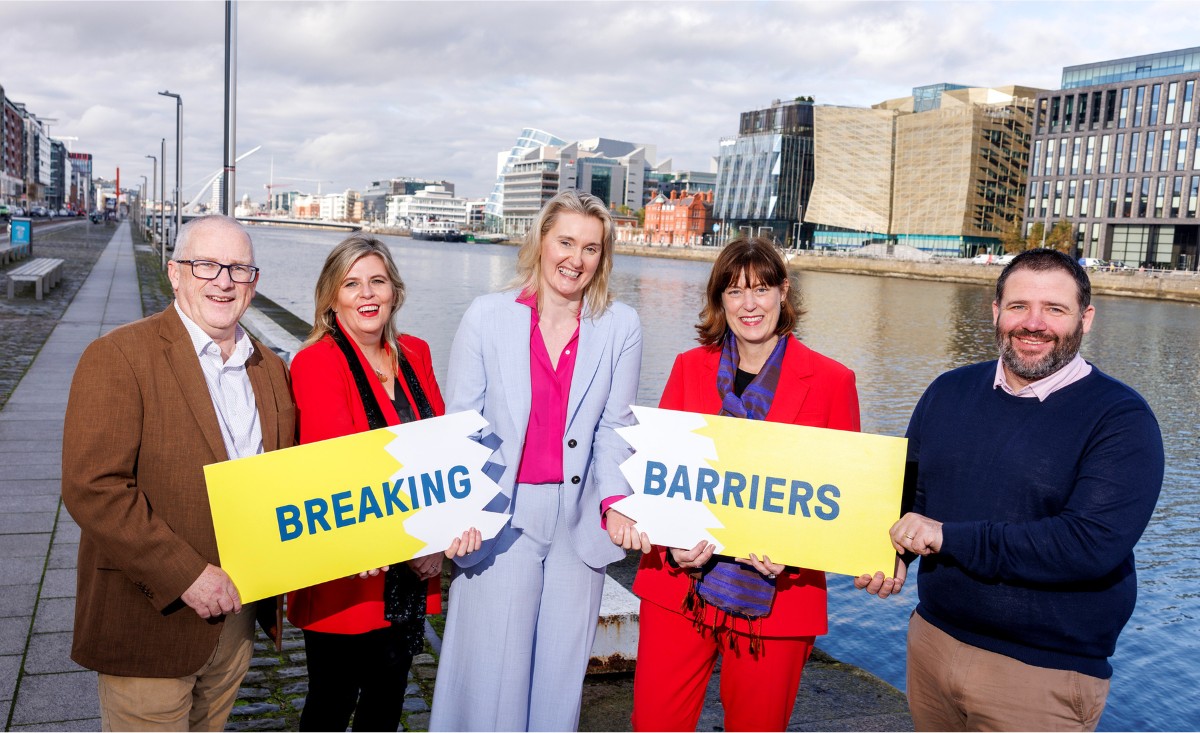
{"x": 13, "y": 252}
{"x": 43, "y": 272}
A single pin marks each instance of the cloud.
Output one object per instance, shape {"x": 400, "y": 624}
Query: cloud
{"x": 358, "y": 91}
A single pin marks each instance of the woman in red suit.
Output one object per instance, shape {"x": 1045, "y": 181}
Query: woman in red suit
{"x": 357, "y": 373}
{"x": 760, "y": 617}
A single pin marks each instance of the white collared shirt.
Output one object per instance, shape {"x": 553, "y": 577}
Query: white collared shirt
{"x": 1075, "y": 370}
{"x": 229, "y": 387}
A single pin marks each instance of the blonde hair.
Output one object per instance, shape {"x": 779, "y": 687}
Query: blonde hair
{"x": 337, "y": 264}
{"x": 597, "y": 296}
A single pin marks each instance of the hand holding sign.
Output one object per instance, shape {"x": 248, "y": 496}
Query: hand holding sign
{"x": 809, "y": 497}
{"x": 297, "y": 517}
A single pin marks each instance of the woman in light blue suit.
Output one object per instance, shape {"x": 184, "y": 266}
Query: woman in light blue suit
{"x": 553, "y": 366}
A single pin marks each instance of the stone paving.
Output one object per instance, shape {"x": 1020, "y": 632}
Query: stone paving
{"x": 42, "y": 689}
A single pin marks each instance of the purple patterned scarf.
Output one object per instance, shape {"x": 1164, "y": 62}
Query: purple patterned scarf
{"x": 729, "y": 586}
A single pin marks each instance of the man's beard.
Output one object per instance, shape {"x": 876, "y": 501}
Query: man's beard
{"x": 1065, "y": 349}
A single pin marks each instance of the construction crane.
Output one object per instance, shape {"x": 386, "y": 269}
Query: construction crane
{"x": 317, "y": 181}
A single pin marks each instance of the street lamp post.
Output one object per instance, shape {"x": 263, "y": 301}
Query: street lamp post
{"x": 154, "y": 190}
{"x": 162, "y": 206}
{"x": 142, "y": 205}
{"x": 178, "y": 163}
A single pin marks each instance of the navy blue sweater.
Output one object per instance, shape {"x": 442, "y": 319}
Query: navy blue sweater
{"x": 1042, "y": 503}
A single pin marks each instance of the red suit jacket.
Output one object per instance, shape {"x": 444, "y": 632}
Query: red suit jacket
{"x": 328, "y": 406}
{"x": 814, "y": 390}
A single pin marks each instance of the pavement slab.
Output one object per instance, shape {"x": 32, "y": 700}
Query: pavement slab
{"x": 54, "y": 615}
{"x": 21, "y": 571}
{"x": 63, "y": 555}
{"x": 26, "y": 522}
{"x": 14, "y": 631}
{"x": 18, "y": 545}
{"x": 57, "y": 702}
{"x": 50, "y": 653}
{"x": 18, "y": 601}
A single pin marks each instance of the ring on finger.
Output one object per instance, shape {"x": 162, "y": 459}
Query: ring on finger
{"x": 908, "y": 536}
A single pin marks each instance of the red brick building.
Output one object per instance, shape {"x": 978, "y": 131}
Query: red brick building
{"x": 680, "y": 219}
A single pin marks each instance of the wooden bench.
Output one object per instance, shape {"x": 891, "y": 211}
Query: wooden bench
{"x": 43, "y": 272}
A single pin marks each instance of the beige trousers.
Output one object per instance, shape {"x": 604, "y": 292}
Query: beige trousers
{"x": 954, "y": 686}
{"x": 198, "y": 702}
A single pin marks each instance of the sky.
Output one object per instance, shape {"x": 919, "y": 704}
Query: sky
{"x": 345, "y": 93}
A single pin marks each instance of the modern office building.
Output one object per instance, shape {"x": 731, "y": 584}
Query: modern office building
{"x": 945, "y": 176}
{"x": 529, "y": 139}
{"x": 12, "y": 152}
{"x": 614, "y": 171}
{"x": 765, "y": 174}
{"x": 81, "y": 180}
{"x": 375, "y": 197}
{"x": 1116, "y": 152}
{"x": 431, "y": 203}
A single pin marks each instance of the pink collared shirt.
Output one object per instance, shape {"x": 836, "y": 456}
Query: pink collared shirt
{"x": 1075, "y": 370}
{"x": 550, "y": 388}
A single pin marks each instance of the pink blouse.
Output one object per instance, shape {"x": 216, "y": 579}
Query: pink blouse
{"x": 550, "y": 387}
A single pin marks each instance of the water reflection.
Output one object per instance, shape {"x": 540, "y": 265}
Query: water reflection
{"x": 897, "y": 335}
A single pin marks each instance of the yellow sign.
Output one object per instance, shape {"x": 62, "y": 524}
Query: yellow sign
{"x": 301, "y": 516}
{"x": 808, "y": 497}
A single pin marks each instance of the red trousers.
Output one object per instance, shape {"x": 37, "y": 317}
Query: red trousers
{"x": 675, "y": 662}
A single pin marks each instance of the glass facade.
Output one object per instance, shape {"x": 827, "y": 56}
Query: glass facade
{"x": 764, "y": 176}
{"x": 1131, "y": 194}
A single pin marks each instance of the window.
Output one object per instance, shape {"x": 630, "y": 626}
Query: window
{"x": 1134, "y": 137}
{"x": 1098, "y": 211}
{"x": 1033, "y": 194}
{"x": 1067, "y": 105}
{"x": 1123, "y": 118}
{"x": 1062, "y": 156}
{"x": 1152, "y": 113}
{"x": 1193, "y": 195}
{"x": 1097, "y": 100}
{"x": 1164, "y": 159}
{"x": 1110, "y": 107}
{"x": 1176, "y": 195}
{"x": 1143, "y": 205}
{"x": 1103, "y": 168}
{"x": 1181, "y": 150}
{"x": 1037, "y": 156}
{"x": 1089, "y": 153}
{"x": 1075, "y": 156}
{"x": 1169, "y": 113}
{"x": 1058, "y": 194}
{"x": 1071, "y": 199}
{"x": 1127, "y": 205}
{"x": 1114, "y": 188}
{"x": 1085, "y": 197}
{"x": 1138, "y": 104}
{"x": 1160, "y": 194}
{"x": 1054, "y": 104}
{"x": 1189, "y": 87}
{"x": 1081, "y": 111}
{"x": 1148, "y": 160}
{"x": 1049, "y": 167}
{"x": 1119, "y": 153}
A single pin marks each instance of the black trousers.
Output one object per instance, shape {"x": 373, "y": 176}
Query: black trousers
{"x": 363, "y": 675}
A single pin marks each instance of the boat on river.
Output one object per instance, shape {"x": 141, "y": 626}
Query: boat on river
{"x": 438, "y": 231}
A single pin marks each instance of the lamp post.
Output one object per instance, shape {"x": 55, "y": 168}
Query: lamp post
{"x": 154, "y": 190}
{"x": 142, "y": 204}
{"x": 178, "y": 163}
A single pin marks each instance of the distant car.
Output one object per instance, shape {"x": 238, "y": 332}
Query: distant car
{"x": 1005, "y": 259}
{"x": 64, "y": 212}
{"x": 17, "y": 211}
{"x": 984, "y": 259}
{"x": 1092, "y": 263}
{"x": 39, "y": 211}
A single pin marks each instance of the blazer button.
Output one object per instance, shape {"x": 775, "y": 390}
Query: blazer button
{"x": 572, "y": 443}
{"x": 574, "y": 479}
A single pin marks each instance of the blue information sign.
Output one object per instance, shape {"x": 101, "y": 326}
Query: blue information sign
{"x": 21, "y": 233}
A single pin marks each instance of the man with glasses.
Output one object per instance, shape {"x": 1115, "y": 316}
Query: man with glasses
{"x": 151, "y": 404}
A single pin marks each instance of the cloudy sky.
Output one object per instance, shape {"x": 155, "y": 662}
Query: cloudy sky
{"x": 350, "y": 92}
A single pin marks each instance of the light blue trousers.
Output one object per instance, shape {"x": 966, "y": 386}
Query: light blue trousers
{"x": 520, "y": 627}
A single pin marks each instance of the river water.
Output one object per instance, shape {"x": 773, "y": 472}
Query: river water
{"x": 897, "y": 335}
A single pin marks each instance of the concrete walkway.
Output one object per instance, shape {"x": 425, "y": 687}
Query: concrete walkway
{"x": 40, "y": 687}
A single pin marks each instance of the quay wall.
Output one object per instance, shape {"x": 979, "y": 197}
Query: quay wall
{"x": 1156, "y": 285}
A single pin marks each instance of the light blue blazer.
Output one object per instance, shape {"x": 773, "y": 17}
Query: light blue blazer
{"x": 489, "y": 372}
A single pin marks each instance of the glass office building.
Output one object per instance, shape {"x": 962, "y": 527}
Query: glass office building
{"x": 765, "y": 174}
{"x": 1116, "y": 152}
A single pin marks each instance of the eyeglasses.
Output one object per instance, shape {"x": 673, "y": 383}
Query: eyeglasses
{"x": 208, "y": 270}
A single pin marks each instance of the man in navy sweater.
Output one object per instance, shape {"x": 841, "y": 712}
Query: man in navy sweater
{"x": 1035, "y": 476}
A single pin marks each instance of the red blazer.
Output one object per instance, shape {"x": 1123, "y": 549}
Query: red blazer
{"x": 328, "y": 406}
{"x": 814, "y": 390}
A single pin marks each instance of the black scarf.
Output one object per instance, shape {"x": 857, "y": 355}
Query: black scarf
{"x": 403, "y": 592}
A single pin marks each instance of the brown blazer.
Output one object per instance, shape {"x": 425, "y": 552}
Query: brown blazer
{"x": 140, "y": 426}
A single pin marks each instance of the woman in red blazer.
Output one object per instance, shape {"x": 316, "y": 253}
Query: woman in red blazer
{"x": 357, "y": 373}
{"x": 748, "y": 365}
